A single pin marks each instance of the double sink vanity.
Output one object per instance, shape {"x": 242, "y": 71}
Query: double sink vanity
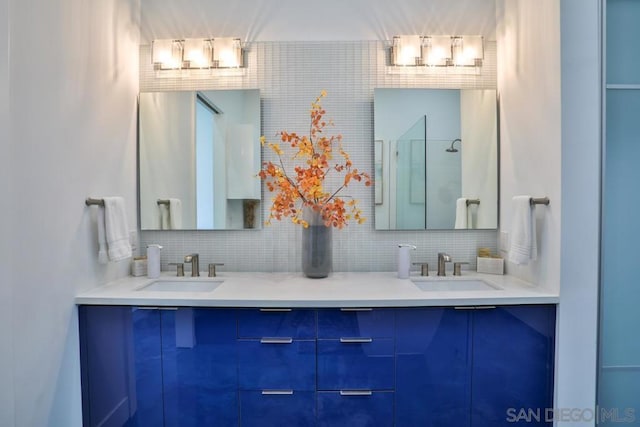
{"x": 357, "y": 349}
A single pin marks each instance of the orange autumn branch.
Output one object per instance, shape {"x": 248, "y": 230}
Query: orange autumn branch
{"x": 305, "y": 186}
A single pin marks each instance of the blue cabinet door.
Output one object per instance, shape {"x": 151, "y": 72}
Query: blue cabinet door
{"x": 277, "y": 408}
{"x": 356, "y": 364}
{"x": 355, "y": 409}
{"x": 349, "y": 322}
{"x": 121, "y": 366}
{"x": 199, "y": 367}
{"x": 106, "y": 357}
{"x": 433, "y": 367}
{"x": 277, "y": 364}
{"x": 148, "y": 368}
{"x": 513, "y": 353}
{"x": 269, "y": 322}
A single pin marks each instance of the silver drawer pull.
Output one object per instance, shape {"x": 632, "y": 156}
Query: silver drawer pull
{"x": 168, "y": 308}
{"x": 355, "y": 340}
{"x": 476, "y": 307}
{"x": 356, "y": 309}
{"x": 355, "y": 393}
{"x": 277, "y": 392}
{"x": 146, "y": 308}
{"x": 275, "y": 310}
{"x": 276, "y": 340}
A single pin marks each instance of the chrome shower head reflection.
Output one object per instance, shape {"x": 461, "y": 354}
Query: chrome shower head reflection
{"x": 451, "y": 149}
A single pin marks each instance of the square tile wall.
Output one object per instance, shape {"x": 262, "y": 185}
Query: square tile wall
{"x": 290, "y": 75}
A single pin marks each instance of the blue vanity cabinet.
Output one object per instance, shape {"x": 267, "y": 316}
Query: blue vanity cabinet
{"x": 355, "y": 408}
{"x": 158, "y": 367}
{"x": 513, "y": 354}
{"x": 356, "y": 368}
{"x": 433, "y": 367}
{"x": 473, "y": 366}
{"x": 106, "y": 353}
{"x": 289, "y": 408}
{"x": 199, "y": 359}
{"x": 277, "y": 367}
{"x": 121, "y": 366}
{"x": 147, "y": 345}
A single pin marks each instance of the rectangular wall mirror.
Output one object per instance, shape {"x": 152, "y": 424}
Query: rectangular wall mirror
{"x": 199, "y": 159}
{"x": 433, "y": 147}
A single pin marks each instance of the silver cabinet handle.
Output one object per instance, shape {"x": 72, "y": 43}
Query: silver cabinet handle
{"x": 156, "y": 308}
{"x": 277, "y": 392}
{"x": 356, "y": 309}
{"x": 356, "y": 392}
{"x": 464, "y": 307}
{"x": 355, "y": 340}
{"x": 276, "y": 340}
{"x": 485, "y": 307}
{"x": 275, "y": 310}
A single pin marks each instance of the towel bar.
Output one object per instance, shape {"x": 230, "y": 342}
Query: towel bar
{"x": 473, "y": 202}
{"x": 539, "y": 201}
{"x": 94, "y": 202}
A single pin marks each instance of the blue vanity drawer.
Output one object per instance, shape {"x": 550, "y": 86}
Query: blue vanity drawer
{"x": 277, "y": 364}
{"x": 277, "y": 407}
{"x": 348, "y": 322}
{"x": 273, "y": 322}
{"x": 350, "y": 364}
{"x": 355, "y": 408}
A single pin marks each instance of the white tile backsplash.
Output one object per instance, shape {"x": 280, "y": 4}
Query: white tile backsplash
{"x": 290, "y": 75}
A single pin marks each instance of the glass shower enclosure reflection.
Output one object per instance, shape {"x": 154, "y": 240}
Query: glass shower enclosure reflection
{"x": 416, "y": 157}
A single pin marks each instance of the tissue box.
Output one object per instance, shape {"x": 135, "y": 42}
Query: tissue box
{"x": 490, "y": 265}
{"x": 139, "y": 266}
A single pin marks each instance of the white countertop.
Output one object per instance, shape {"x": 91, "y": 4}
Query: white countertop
{"x": 287, "y": 290}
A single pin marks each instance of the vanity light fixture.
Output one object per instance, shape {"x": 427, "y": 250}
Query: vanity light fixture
{"x": 437, "y": 51}
{"x": 227, "y": 52}
{"x": 167, "y": 54}
{"x": 197, "y": 53}
{"x": 406, "y": 50}
{"x": 468, "y": 51}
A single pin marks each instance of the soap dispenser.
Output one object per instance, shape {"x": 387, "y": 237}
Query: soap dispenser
{"x": 153, "y": 261}
{"x": 404, "y": 260}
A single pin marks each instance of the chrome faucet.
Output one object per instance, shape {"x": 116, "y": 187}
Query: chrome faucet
{"x": 442, "y": 259}
{"x": 194, "y": 259}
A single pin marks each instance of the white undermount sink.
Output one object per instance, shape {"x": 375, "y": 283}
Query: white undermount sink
{"x": 457, "y": 284}
{"x": 185, "y": 285}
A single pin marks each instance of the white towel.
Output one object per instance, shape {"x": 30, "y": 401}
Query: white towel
{"x": 461, "y": 213}
{"x": 523, "y": 247}
{"x": 175, "y": 214}
{"x": 116, "y": 230}
{"x": 165, "y": 223}
{"x": 103, "y": 256}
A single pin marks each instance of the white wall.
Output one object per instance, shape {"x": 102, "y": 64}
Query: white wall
{"x": 73, "y": 80}
{"x": 530, "y": 124}
{"x": 6, "y": 306}
{"x": 581, "y": 130}
{"x": 286, "y": 20}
